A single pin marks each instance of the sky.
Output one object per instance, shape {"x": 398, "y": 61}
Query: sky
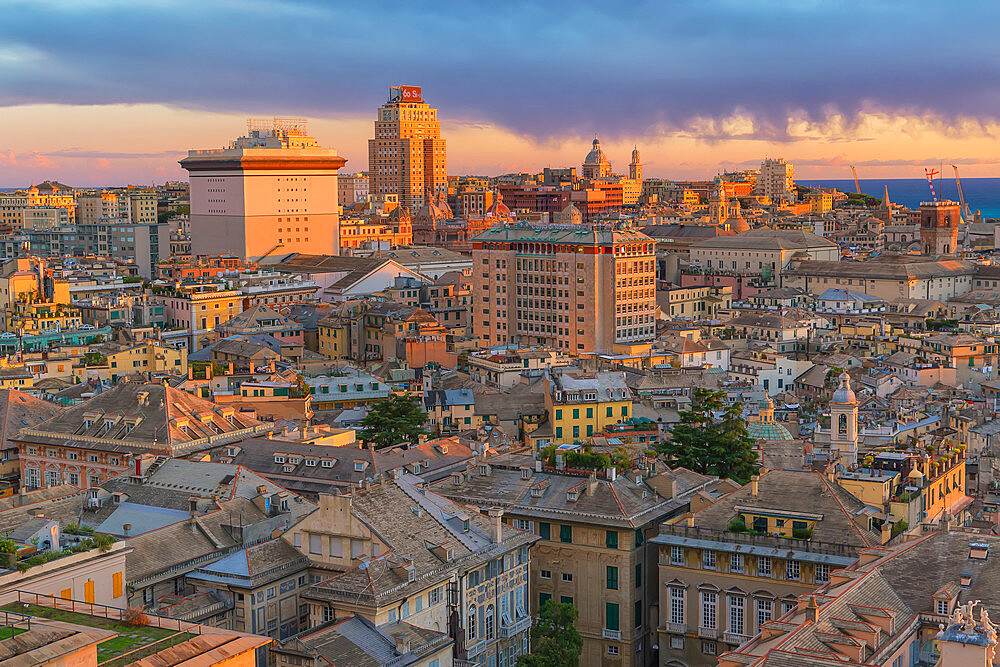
{"x": 101, "y": 92}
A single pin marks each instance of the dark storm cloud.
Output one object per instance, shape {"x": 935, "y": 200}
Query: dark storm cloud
{"x": 544, "y": 69}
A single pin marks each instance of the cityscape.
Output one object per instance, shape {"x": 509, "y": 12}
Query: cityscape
{"x": 502, "y": 375}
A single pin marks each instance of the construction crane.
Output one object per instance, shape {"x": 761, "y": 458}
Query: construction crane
{"x": 966, "y": 213}
{"x": 857, "y": 183}
{"x": 931, "y": 173}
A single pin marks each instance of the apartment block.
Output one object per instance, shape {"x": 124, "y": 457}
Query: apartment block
{"x": 577, "y": 290}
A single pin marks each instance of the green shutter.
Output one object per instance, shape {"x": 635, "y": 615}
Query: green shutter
{"x": 566, "y": 534}
{"x": 611, "y": 613}
{"x": 612, "y": 577}
{"x": 611, "y": 539}
{"x": 544, "y": 530}
{"x": 543, "y": 598}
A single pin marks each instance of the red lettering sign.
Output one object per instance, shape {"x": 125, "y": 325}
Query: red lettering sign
{"x": 410, "y": 94}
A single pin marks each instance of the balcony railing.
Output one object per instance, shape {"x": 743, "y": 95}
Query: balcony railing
{"x": 734, "y": 638}
{"x": 472, "y": 650}
{"x": 676, "y": 628}
{"x": 611, "y": 634}
{"x": 508, "y": 630}
{"x": 708, "y": 633}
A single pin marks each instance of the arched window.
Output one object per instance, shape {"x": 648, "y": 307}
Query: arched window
{"x": 471, "y": 625}
{"x": 842, "y": 426}
{"x": 489, "y": 629}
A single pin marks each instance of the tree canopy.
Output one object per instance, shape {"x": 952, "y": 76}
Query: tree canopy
{"x": 392, "y": 421}
{"x": 712, "y": 438}
{"x": 555, "y": 641}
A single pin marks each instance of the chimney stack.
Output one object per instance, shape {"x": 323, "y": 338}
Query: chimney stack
{"x": 690, "y": 521}
{"x": 496, "y": 524}
{"x": 754, "y": 485}
{"x": 812, "y": 609}
{"x": 126, "y": 529}
{"x": 886, "y": 532}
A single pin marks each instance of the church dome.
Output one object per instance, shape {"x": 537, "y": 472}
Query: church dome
{"x": 596, "y": 156}
{"x": 498, "y": 209}
{"x": 738, "y": 224}
{"x": 768, "y": 431}
{"x": 635, "y": 154}
{"x": 844, "y": 393}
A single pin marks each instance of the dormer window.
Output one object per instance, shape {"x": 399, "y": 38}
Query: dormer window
{"x": 230, "y": 451}
{"x": 941, "y": 607}
{"x": 536, "y": 492}
{"x": 311, "y": 463}
{"x": 288, "y": 468}
{"x": 327, "y": 463}
{"x": 483, "y": 470}
{"x": 416, "y": 468}
{"x": 88, "y": 423}
{"x": 465, "y": 525}
{"x": 571, "y": 496}
{"x": 359, "y": 466}
{"x": 279, "y": 458}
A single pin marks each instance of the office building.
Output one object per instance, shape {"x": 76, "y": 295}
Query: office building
{"x": 776, "y": 180}
{"x": 407, "y": 157}
{"x": 273, "y": 189}
{"x": 570, "y": 288}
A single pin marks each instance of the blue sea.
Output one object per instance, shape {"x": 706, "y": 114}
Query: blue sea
{"x": 980, "y": 193}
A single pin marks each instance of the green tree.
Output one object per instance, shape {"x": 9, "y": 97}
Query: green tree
{"x": 392, "y": 421}
{"x": 555, "y": 641}
{"x": 712, "y": 439}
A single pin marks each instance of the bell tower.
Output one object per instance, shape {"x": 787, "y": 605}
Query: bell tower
{"x": 844, "y": 421}
{"x": 635, "y": 168}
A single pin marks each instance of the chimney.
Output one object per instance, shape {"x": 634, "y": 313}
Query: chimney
{"x": 886, "y": 532}
{"x": 945, "y": 525}
{"x": 190, "y": 373}
{"x": 690, "y": 521}
{"x": 402, "y": 644}
{"x": 812, "y": 610}
{"x": 126, "y": 529}
{"x": 36, "y": 513}
{"x": 538, "y": 466}
{"x": 754, "y": 486}
{"x": 208, "y": 372}
{"x": 612, "y": 474}
{"x": 496, "y": 525}
{"x": 560, "y": 462}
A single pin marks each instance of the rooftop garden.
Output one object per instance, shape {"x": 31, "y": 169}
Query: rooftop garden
{"x": 9, "y": 549}
{"x": 586, "y": 459}
{"x": 134, "y": 633}
{"x": 739, "y": 525}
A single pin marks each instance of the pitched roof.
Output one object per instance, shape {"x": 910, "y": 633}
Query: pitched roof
{"x": 19, "y": 410}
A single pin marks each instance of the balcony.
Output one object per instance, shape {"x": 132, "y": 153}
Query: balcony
{"x": 472, "y": 650}
{"x": 508, "y": 630}
{"x": 675, "y": 628}
{"x": 708, "y": 633}
{"x": 734, "y": 638}
{"x": 611, "y": 634}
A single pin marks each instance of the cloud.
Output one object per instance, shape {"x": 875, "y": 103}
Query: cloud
{"x": 618, "y": 69}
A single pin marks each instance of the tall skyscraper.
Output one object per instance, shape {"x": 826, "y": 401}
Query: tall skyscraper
{"x": 407, "y": 157}
{"x": 273, "y": 190}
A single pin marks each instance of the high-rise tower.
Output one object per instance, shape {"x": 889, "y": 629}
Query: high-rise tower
{"x": 273, "y": 190}
{"x": 407, "y": 157}
{"x": 939, "y": 227}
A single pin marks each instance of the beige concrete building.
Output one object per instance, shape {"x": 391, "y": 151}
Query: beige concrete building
{"x": 594, "y": 551}
{"x": 763, "y": 252}
{"x": 776, "y": 180}
{"x": 272, "y": 190}
{"x": 407, "y": 157}
{"x": 745, "y": 559}
{"x": 888, "y": 278}
{"x": 573, "y": 289}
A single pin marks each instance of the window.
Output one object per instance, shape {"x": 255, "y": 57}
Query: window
{"x": 736, "y": 614}
{"x": 566, "y": 534}
{"x": 677, "y": 605}
{"x": 545, "y": 574}
{"x": 787, "y": 607}
{"x": 676, "y": 556}
{"x": 637, "y": 614}
{"x": 736, "y": 563}
{"x": 612, "y": 649}
{"x": 611, "y": 615}
{"x": 543, "y": 598}
{"x": 638, "y": 575}
{"x": 708, "y": 610}
{"x": 760, "y": 524}
{"x": 611, "y": 539}
{"x": 489, "y": 623}
{"x": 612, "y": 578}
{"x": 822, "y": 573}
{"x": 792, "y": 570}
{"x": 567, "y": 577}
{"x": 708, "y": 648}
{"x": 942, "y": 607}
{"x": 544, "y": 530}
{"x": 763, "y": 566}
{"x": 566, "y": 599}
{"x": 471, "y": 624}
{"x": 677, "y": 643}
{"x": 765, "y": 609}
{"x": 708, "y": 560}
{"x": 316, "y": 544}
{"x": 639, "y": 537}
